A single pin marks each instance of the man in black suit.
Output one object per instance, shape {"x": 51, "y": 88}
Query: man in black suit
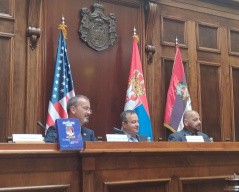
{"x": 191, "y": 121}
{"x": 130, "y": 126}
{"x": 78, "y": 107}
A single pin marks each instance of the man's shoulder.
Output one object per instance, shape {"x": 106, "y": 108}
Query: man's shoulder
{"x": 177, "y": 136}
{"x": 143, "y": 137}
{"x": 178, "y": 133}
{"x": 200, "y": 133}
{"x": 52, "y": 127}
{"x": 84, "y": 129}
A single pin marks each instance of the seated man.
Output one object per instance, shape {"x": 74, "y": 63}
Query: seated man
{"x": 130, "y": 126}
{"x": 191, "y": 121}
{"x": 78, "y": 107}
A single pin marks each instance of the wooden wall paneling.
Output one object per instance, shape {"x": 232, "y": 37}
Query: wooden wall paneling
{"x": 225, "y": 87}
{"x": 157, "y": 185}
{"x": 48, "y": 188}
{"x": 33, "y": 102}
{"x": 7, "y": 19}
{"x": 192, "y": 65}
{"x": 7, "y": 8}
{"x": 234, "y": 64}
{"x": 209, "y": 42}
{"x": 206, "y": 184}
{"x": 173, "y": 27}
{"x": 102, "y": 76}
{"x": 234, "y": 77}
{"x": 210, "y": 9}
{"x": 19, "y": 69}
{"x": 6, "y": 45}
{"x": 209, "y": 77}
{"x": 233, "y": 35}
{"x": 155, "y": 101}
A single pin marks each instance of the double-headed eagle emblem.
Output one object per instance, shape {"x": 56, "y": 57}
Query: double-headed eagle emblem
{"x": 96, "y": 29}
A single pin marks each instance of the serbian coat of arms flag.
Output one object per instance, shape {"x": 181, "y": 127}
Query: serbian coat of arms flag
{"x": 136, "y": 94}
{"x": 178, "y": 98}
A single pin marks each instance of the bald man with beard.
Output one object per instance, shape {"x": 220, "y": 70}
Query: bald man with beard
{"x": 192, "y": 123}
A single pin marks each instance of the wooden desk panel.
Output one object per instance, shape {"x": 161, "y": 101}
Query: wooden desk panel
{"x": 116, "y": 167}
{"x": 38, "y": 167}
{"x": 159, "y": 166}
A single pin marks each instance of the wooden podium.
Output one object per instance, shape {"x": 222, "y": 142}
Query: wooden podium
{"x": 117, "y": 167}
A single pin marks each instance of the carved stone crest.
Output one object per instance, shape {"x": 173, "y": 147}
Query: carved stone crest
{"x": 96, "y": 29}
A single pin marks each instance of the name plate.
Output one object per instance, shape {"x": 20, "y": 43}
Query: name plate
{"x": 198, "y": 138}
{"x": 116, "y": 137}
{"x": 25, "y": 138}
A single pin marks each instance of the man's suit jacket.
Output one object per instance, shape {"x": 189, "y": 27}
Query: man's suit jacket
{"x": 52, "y": 137}
{"x": 181, "y": 136}
{"x": 141, "y": 137}
{"x": 138, "y": 136}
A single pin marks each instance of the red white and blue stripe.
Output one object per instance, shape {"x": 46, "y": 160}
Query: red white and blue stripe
{"x": 63, "y": 88}
{"x": 136, "y": 98}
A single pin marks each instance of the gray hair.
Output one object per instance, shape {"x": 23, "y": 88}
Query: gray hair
{"x": 73, "y": 101}
{"x": 124, "y": 113}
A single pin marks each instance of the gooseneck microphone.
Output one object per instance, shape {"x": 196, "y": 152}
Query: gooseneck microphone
{"x": 118, "y": 130}
{"x": 52, "y": 133}
{"x": 40, "y": 124}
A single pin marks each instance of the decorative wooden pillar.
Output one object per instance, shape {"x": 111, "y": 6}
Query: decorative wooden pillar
{"x": 151, "y": 10}
{"x": 33, "y": 67}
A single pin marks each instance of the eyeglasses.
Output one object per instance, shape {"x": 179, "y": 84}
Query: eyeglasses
{"x": 87, "y": 109}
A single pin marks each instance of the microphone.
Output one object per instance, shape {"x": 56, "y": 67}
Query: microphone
{"x": 54, "y": 134}
{"x": 123, "y": 132}
{"x": 118, "y": 130}
{"x": 40, "y": 124}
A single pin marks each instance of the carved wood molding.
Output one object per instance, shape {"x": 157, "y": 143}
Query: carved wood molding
{"x": 33, "y": 29}
{"x": 151, "y": 11}
{"x": 127, "y": 184}
{"x": 52, "y": 188}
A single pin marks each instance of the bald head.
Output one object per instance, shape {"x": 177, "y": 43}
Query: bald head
{"x": 191, "y": 121}
{"x": 188, "y": 114}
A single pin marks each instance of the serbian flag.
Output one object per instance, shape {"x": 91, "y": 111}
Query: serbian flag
{"x": 178, "y": 98}
{"x": 63, "y": 88}
{"x": 136, "y": 94}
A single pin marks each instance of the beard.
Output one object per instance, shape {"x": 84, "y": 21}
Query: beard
{"x": 85, "y": 121}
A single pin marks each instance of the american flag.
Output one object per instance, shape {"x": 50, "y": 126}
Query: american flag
{"x": 63, "y": 88}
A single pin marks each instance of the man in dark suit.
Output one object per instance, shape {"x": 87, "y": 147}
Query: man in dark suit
{"x": 191, "y": 121}
{"x": 130, "y": 126}
{"x": 78, "y": 107}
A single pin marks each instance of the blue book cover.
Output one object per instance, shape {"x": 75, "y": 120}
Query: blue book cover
{"x": 69, "y": 134}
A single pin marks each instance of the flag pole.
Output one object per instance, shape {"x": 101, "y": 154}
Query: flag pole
{"x": 135, "y": 35}
{"x": 63, "y": 87}
{"x": 134, "y": 31}
{"x": 63, "y": 26}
